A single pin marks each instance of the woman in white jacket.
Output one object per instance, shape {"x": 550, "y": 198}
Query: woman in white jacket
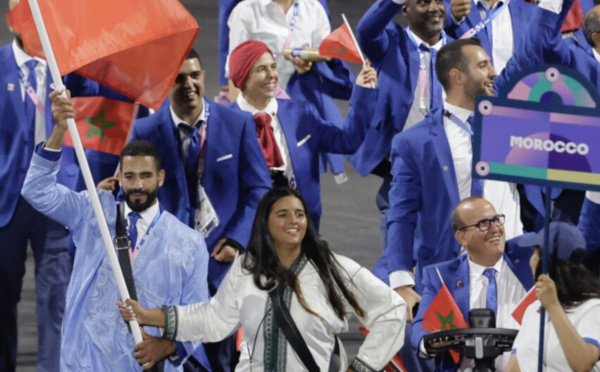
{"x": 319, "y": 288}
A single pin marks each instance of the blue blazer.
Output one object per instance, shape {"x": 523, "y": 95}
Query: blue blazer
{"x": 423, "y": 189}
{"x": 307, "y": 135}
{"x": 235, "y": 173}
{"x": 16, "y": 134}
{"x": 520, "y": 15}
{"x": 396, "y": 59}
{"x": 456, "y": 276}
{"x": 588, "y": 224}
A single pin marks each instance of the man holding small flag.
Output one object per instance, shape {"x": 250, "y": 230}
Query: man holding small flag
{"x": 491, "y": 275}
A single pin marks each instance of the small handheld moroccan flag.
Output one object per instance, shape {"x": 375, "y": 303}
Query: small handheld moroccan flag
{"x": 519, "y": 311}
{"x": 341, "y": 44}
{"x": 444, "y": 314}
{"x": 104, "y": 123}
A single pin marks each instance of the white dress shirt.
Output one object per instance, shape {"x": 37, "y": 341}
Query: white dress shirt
{"x": 40, "y": 73}
{"x": 416, "y": 114}
{"x": 503, "y": 195}
{"x": 509, "y": 291}
{"x": 264, "y": 20}
{"x": 271, "y": 110}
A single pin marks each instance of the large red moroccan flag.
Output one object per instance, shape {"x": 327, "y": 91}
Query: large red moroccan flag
{"x": 339, "y": 44}
{"x": 103, "y": 124}
{"x": 135, "y": 47}
{"x": 444, "y": 314}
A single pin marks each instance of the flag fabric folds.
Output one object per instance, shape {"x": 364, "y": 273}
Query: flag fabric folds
{"x": 135, "y": 47}
{"x": 104, "y": 124}
{"x": 519, "y": 311}
{"x": 444, "y": 314}
{"x": 339, "y": 44}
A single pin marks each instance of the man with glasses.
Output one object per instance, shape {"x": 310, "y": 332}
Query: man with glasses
{"x": 431, "y": 169}
{"x": 491, "y": 274}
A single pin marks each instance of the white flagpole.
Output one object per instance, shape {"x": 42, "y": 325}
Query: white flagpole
{"x": 439, "y": 274}
{"x": 356, "y": 44}
{"x": 85, "y": 168}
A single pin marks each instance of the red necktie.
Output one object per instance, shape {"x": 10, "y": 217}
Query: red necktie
{"x": 266, "y": 138}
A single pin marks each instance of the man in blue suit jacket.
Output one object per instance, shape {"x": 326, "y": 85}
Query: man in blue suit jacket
{"x": 395, "y": 54}
{"x": 431, "y": 166}
{"x": 229, "y": 172}
{"x": 235, "y": 176}
{"x": 23, "y": 124}
{"x": 501, "y": 36}
{"x": 297, "y": 129}
{"x": 488, "y": 262}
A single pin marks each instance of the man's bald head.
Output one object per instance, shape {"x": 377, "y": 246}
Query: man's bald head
{"x": 591, "y": 27}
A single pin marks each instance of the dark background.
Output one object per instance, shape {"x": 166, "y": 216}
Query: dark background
{"x": 350, "y": 219}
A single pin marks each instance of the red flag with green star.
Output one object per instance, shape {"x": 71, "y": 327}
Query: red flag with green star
{"x": 339, "y": 44}
{"x": 444, "y": 314}
{"x": 134, "y": 47}
{"x": 104, "y": 124}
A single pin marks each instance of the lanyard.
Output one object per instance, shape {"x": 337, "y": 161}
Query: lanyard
{"x": 422, "y": 79}
{"x": 30, "y": 91}
{"x": 481, "y": 25}
{"x": 152, "y": 224}
{"x": 288, "y": 40}
{"x": 206, "y": 110}
{"x": 457, "y": 121}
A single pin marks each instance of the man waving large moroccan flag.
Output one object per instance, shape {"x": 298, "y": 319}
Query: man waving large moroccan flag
{"x": 132, "y": 46}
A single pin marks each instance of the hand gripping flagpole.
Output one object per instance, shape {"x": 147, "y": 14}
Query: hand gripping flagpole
{"x": 85, "y": 168}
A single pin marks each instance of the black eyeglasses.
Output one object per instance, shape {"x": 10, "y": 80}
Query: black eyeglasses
{"x": 484, "y": 225}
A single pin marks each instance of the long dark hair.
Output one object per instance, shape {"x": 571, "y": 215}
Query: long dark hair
{"x": 261, "y": 259}
{"x": 574, "y": 282}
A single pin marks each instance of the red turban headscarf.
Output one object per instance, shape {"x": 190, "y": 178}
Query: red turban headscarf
{"x": 241, "y": 60}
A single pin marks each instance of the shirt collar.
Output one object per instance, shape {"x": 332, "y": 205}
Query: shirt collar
{"x": 271, "y": 108}
{"x": 21, "y": 57}
{"x": 596, "y": 55}
{"x": 486, "y": 3}
{"x": 477, "y": 270}
{"x": 177, "y": 120}
{"x": 147, "y": 215}
{"x": 459, "y": 112}
{"x": 266, "y": 3}
{"x": 437, "y": 46}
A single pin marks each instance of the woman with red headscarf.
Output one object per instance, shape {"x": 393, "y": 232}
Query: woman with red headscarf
{"x": 292, "y": 134}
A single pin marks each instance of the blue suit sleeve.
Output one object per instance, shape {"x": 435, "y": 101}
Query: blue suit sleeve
{"x": 49, "y": 198}
{"x": 431, "y": 285}
{"x": 256, "y": 181}
{"x": 372, "y": 33}
{"x": 225, "y": 8}
{"x": 195, "y": 290}
{"x": 405, "y": 201}
{"x": 588, "y": 224}
{"x": 348, "y": 138}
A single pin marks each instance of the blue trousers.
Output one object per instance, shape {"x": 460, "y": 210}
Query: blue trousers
{"x": 48, "y": 241}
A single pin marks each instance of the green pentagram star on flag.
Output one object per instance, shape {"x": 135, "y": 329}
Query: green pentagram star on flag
{"x": 98, "y": 125}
